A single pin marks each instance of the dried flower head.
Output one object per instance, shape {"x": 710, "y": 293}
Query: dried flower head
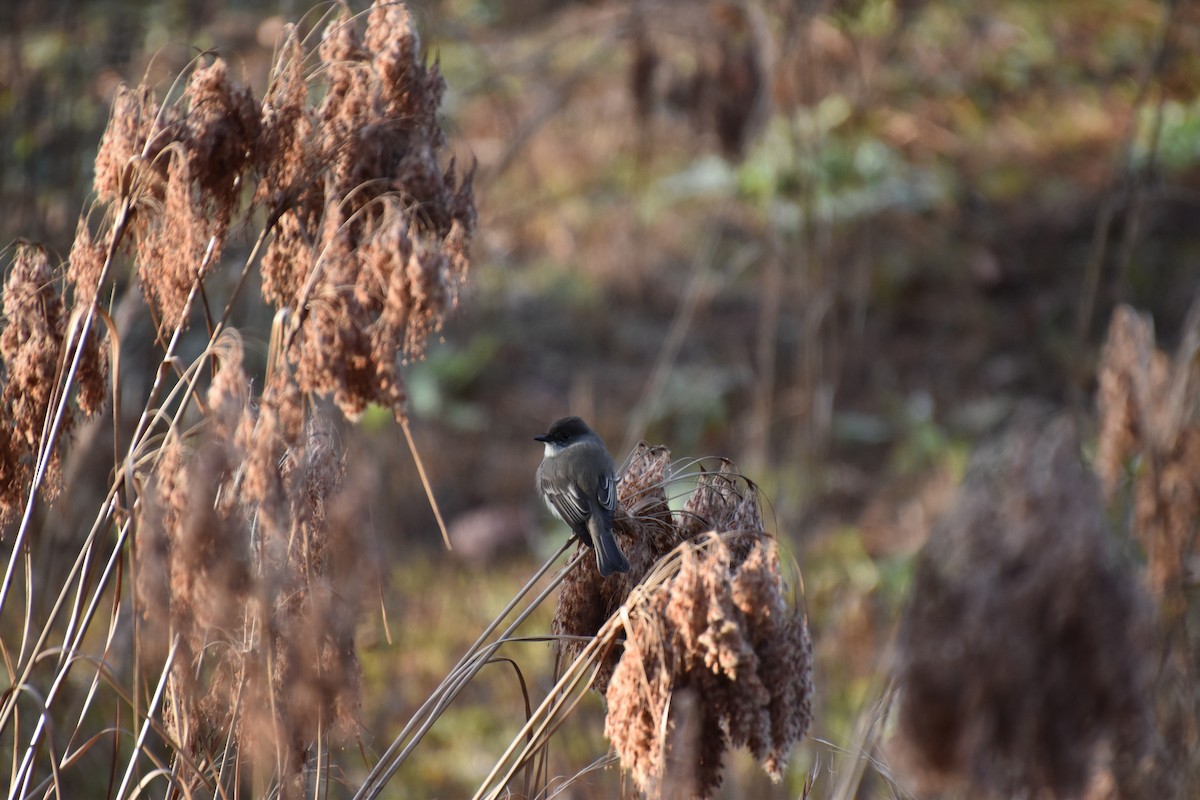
{"x": 373, "y": 221}
{"x": 220, "y": 133}
{"x": 31, "y": 345}
{"x": 172, "y": 245}
{"x": 85, "y": 265}
{"x": 285, "y": 159}
{"x": 1143, "y": 406}
{"x": 1021, "y": 664}
{"x": 719, "y": 629}
{"x": 244, "y": 551}
{"x": 127, "y": 163}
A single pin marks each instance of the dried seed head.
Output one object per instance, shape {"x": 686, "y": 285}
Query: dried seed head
{"x": 127, "y": 162}
{"x": 86, "y": 263}
{"x": 719, "y": 630}
{"x": 84, "y": 270}
{"x": 171, "y": 247}
{"x": 31, "y": 345}
{"x": 716, "y": 630}
{"x": 372, "y": 234}
{"x": 1142, "y": 402}
{"x": 1021, "y": 660}
{"x": 220, "y": 134}
{"x": 91, "y": 379}
{"x": 286, "y": 160}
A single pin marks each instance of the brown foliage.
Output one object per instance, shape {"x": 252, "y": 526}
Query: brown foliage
{"x": 1021, "y": 654}
{"x": 714, "y": 657}
{"x": 245, "y": 554}
{"x": 372, "y": 237}
{"x": 1146, "y": 407}
{"x": 31, "y": 345}
{"x": 720, "y": 629}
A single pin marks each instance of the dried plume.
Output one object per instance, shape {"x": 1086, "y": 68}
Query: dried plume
{"x": 722, "y": 631}
{"x": 1147, "y": 412}
{"x": 31, "y": 345}
{"x": 84, "y": 269}
{"x": 244, "y": 551}
{"x": 714, "y": 656}
{"x": 127, "y": 163}
{"x": 1021, "y": 654}
{"x": 373, "y": 221}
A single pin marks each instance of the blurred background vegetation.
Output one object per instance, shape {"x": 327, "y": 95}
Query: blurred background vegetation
{"x": 837, "y": 242}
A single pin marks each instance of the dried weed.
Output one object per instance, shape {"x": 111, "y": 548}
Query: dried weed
{"x": 714, "y": 655}
{"x": 1022, "y": 656}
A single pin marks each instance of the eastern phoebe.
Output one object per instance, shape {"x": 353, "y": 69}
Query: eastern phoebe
{"x": 577, "y": 480}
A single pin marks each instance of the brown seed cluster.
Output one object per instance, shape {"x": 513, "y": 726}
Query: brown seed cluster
{"x": 373, "y": 223}
{"x": 38, "y": 341}
{"x": 31, "y": 345}
{"x": 1144, "y": 415}
{"x": 246, "y": 554}
{"x": 714, "y": 655}
{"x": 722, "y": 632}
{"x": 181, "y": 167}
{"x": 1021, "y": 654}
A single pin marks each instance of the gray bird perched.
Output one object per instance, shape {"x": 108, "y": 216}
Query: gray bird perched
{"x": 577, "y": 480}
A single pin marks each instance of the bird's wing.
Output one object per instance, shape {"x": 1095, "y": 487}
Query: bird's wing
{"x": 569, "y": 504}
{"x": 606, "y": 493}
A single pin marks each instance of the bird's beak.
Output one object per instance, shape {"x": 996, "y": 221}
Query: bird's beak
{"x": 541, "y": 438}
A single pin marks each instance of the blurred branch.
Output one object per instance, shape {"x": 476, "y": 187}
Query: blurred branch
{"x": 1126, "y": 183}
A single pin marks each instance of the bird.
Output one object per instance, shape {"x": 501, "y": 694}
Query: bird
{"x": 576, "y": 479}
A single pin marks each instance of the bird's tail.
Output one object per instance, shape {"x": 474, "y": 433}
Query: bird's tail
{"x": 609, "y": 557}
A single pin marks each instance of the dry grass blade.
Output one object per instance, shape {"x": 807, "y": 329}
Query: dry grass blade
{"x": 473, "y": 660}
{"x": 437, "y": 513}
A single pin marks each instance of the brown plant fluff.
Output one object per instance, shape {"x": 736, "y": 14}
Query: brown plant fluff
{"x": 1143, "y": 407}
{"x": 723, "y": 501}
{"x": 31, "y": 347}
{"x": 220, "y": 134}
{"x": 84, "y": 268}
{"x": 286, "y": 158}
{"x": 245, "y": 551}
{"x": 216, "y": 136}
{"x": 127, "y": 163}
{"x": 719, "y": 631}
{"x": 183, "y": 166}
{"x": 1021, "y": 655}
{"x": 85, "y": 265}
{"x": 170, "y": 249}
{"x": 644, "y": 531}
{"x": 373, "y": 227}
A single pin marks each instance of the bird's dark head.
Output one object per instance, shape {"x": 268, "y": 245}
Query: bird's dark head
{"x": 564, "y": 432}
